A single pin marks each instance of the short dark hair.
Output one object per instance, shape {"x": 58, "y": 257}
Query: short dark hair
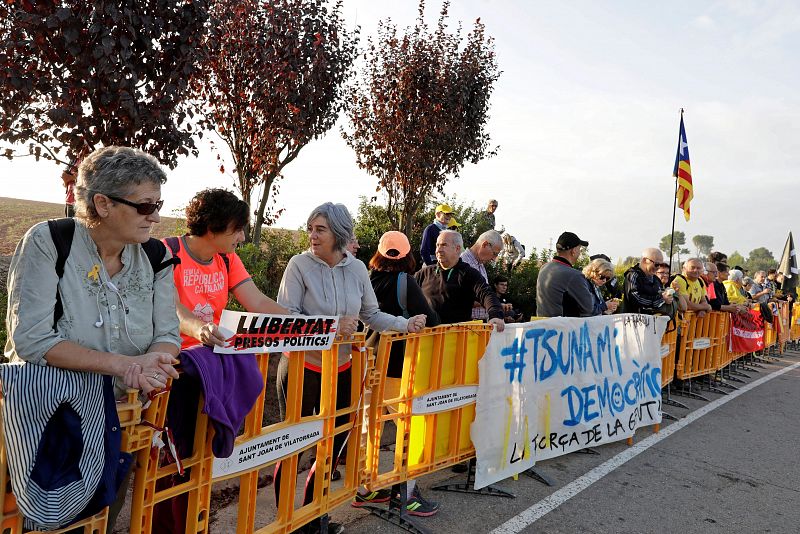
{"x": 717, "y": 257}
{"x": 723, "y": 267}
{"x": 215, "y": 210}
{"x": 772, "y": 271}
{"x": 499, "y": 278}
{"x": 385, "y": 264}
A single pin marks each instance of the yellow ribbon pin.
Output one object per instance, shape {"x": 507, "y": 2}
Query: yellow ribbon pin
{"x": 94, "y": 274}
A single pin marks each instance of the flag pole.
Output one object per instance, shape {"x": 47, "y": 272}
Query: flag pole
{"x": 674, "y": 206}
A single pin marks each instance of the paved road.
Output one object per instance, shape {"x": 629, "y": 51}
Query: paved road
{"x": 734, "y": 469}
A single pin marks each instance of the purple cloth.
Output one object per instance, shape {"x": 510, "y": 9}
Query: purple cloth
{"x": 231, "y": 385}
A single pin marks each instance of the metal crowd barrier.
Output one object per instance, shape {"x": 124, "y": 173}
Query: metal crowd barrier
{"x": 431, "y": 407}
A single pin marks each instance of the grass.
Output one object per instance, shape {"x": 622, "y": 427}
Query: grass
{"x": 19, "y": 215}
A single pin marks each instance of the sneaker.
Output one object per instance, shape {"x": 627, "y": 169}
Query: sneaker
{"x": 420, "y": 506}
{"x": 373, "y": 497}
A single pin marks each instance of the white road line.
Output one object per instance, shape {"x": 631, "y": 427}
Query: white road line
{"x": 559, "y": 497}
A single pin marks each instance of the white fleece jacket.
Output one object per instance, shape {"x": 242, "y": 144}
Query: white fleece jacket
{"x": 311, "y": 287}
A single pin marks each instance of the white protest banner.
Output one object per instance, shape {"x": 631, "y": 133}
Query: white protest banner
{"x": 555, "y": 386}
{"x": 268, "y": 448}
{"x": 258, "y": 332}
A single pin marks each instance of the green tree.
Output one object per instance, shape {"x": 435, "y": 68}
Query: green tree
{"x": 419, "y": 110}
{"x": 373, "y": 219}
{"x": 760, "y": 259}
{"x": 666, "y": 244}
{"x": 703, "y": 244}
{"x": 735, "y": 259}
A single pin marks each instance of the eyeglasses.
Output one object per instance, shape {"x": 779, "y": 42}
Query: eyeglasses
{"x": 605, "y": 278}
{"x": 142, "y": 208}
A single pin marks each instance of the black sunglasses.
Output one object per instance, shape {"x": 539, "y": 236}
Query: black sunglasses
{"x": 142, "y": 208}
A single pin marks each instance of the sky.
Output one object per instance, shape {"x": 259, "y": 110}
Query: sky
{"x": 586, "y": 115}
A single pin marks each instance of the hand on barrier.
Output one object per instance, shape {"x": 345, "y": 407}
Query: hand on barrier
{"x": 499, "y": 324}
{"x": 347, "y": 325}
{"x": 209, "y": 334}
{"x": 150, "y": 371}
{"x": 611, "y": 305}
{"x": 417, "y": 323}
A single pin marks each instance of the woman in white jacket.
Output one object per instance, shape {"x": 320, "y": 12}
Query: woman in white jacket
{"x": 328, "y": 280}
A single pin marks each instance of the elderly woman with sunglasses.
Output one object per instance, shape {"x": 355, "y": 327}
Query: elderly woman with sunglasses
{"x": 107, "y": 312}
{"x": 598, "y": 273}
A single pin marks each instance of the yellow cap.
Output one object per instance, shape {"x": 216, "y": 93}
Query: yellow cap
{"x": 453, "y": 222}
{"x": 444, "y": 208}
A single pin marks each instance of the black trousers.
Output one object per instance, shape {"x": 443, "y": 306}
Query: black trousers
{"x": 312, "y": 382}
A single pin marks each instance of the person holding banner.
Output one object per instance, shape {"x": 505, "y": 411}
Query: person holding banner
{"x": 208, "y": 272}
{"x": 328, "y": 280}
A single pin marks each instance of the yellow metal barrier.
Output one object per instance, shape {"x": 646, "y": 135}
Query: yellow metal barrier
{"x": 135, "y": 437}
{"x": 700, "y": 342}
{"x": 668, "y": 347}
{"x": 256, "y": 438}
{"x": 441, "y": 366}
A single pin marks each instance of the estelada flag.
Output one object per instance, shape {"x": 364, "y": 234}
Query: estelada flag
{"x": 683, "y": 172}
{"x": 747, "y": 332}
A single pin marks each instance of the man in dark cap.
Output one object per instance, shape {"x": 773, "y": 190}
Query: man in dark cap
{"x": 561, "y": 290}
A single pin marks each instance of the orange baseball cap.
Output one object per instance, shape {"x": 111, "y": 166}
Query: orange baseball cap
{"x": 394, "y": 245}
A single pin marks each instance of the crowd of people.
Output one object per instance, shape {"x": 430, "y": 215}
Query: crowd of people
{"x": 96, "y": 294}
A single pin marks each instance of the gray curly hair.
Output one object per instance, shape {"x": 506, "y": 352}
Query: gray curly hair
{"x": 112, "y": 171}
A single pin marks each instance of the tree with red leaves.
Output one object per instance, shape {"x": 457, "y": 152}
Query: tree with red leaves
{"x": 271, "y": 82}
{"x": 77, "y": 74}
{"x": 418, "y": 111}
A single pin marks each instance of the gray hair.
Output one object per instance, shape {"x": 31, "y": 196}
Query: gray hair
{"x": 457, "y": 239}
{"x": 747, "y": 281}
{"x": 735, "y": 275}
{"x": 113, "y": 171}
{"x": 339, "y": 221}
{"x": 760, "y": 272}
{"x": 492, "y": 237}
{"x": 692, "y": 260}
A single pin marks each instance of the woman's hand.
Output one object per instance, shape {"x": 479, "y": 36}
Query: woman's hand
{"x": 347, "y": 325}
{"x": 150, "y": 371}
{"x": 209, "y": 334}
{"x": 612, "y": 305}
{"x": 417, "y": 323}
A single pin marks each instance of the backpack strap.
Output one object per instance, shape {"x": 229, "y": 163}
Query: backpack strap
{"x": 402, "y": 293}
{"x": 155, "y": 251}
{"x": 174, "y": 245}
{"x": 61, "y": 232}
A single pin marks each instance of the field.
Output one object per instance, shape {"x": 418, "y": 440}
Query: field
{"x": 17, "y": 215}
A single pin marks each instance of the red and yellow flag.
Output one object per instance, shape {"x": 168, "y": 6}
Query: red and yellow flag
{"x": 683, "y": 172}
